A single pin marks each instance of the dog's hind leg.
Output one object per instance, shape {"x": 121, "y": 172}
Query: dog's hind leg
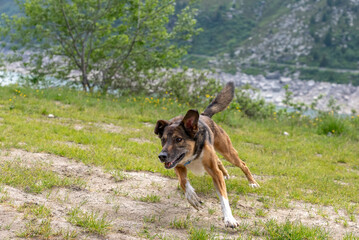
{"x": 223, "y": 169}
{"x": 189, "y": 191}
{"x": 224, "y": 146}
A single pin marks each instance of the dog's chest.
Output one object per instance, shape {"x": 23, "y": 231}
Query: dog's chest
{"x": 196, "y": 166}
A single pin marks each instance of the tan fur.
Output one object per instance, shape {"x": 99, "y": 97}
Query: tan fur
{"x": 199, "y": 139}
{"x": 212, "y": 164}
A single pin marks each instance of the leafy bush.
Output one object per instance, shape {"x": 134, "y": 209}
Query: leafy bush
{"x": 188, "y": 86}
{"x": 253, "y": 106}
{"x": 332, "y": 124}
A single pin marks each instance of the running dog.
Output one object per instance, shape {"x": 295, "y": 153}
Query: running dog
{"x": 190, "y": 142}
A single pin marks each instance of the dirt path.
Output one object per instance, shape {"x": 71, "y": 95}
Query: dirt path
{"x": 121, "y": 197}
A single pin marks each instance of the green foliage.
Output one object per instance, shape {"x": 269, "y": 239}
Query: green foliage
{"x": 181, "y": 223}
{"x": 92, "y": 222}
{"x": 199, "y": 234}
{"x": 112, "y": 44}
{"x": 189, "y": 86}
{"x": 152, "y": 198}
{"x": 294, "y": 231}
{"x": 250, "y": 104}
{"x": 35, "y": 179}
{"x": 220, "y": 33}
{"x": 332, "y": 124}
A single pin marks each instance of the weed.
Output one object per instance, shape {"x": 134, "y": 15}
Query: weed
{"x": 180, "y": 223}
{"x": 4, "y": 195}
{"x": 151, "y": 219}
{"x": 332, "y": 125}
{"x": 260, "y": 213}
{"x": 34, "y": 209}
{"x": 92, "y": 222}
{"x": 37, "y": 230}
{"x": 68, "y": 234}
{"x": 211, "y": 211}
{"x": 290, "y": 230}
{"x": 152, "y": 198}
{"x": 199, "y": 234}
{"x": 350, "y": 236}
{"x": 118, "y": 175}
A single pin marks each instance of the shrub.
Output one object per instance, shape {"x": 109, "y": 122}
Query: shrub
{"x": 332, "y": 124}
{"x": 251, "y": 104}
{"x": 188, "y": 86}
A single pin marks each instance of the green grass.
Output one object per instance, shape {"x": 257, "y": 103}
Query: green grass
{"x": 42, "y": 230}
{"x": 92, "y": 222}
{"x": 293, "y": 231}
{"x": 303, "y": 166}
{"x": 37, "y": 210}
{"x": 33, "y": 179}
{"x": 181, "y": 223}
{"x": 151, "y": 198}
{"x": 199, "y": 234}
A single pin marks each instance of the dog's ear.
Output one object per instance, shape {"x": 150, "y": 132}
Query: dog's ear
{"x": 160, "y": 127}
{"x": 190, "y": 122}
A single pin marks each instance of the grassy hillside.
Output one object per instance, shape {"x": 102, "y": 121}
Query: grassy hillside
{"x": 117, "y": 134}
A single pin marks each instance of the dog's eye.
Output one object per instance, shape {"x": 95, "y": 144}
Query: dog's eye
{"x": 178, "y": 140}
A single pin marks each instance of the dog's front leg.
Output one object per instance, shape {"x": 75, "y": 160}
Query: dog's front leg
{"x": 213, "y": 170}
{"x": 190, "y": 193}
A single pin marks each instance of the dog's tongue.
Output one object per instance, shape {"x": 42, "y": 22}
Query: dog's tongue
{"x": 168, "y": 164}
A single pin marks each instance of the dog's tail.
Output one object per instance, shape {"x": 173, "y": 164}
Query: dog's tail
{"x": 222, "y": 100}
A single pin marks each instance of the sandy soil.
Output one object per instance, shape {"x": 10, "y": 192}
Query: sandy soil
{"x": 134, "y": 219}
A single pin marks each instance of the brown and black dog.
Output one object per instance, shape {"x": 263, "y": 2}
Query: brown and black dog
{"x": 191, "y": 141}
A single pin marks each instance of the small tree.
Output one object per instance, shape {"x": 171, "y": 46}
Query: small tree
{"x": 107, "y": 43}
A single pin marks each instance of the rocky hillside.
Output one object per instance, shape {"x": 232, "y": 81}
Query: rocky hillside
{"x": 314, "y": 38}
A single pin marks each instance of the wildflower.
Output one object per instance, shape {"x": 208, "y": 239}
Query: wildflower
{"x": 134, "y": 99}
{"x": 352, "y": 117}
{"x": 24, "y": 95}
{"x": 10, "y": 99}
{"x": 207, "y": 95}
{"x": 239, "y": 110}
{"x": 275, "y": 113}
{"x": 164, "y": 108}
{"x": 333, "y": 130}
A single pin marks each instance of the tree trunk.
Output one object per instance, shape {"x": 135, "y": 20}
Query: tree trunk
{"x": 85, "y": 82}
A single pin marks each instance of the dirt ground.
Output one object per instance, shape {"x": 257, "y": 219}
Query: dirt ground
{"x": 132, "y": 218}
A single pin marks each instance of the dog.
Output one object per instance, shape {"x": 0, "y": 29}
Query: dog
{"x": 191, "y": 142}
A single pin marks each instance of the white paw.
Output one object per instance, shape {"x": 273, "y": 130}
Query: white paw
{"x": 254, "y": 185}
{"x": 230, "y": 222}
{"x": 226, "y": 177}
{"x": 192, "y": 197}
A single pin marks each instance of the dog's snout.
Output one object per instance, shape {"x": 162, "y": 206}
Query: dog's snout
{"x": 163, "y": 156}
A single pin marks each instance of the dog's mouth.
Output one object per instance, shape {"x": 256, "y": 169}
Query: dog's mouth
{"x": 169, "y": 165}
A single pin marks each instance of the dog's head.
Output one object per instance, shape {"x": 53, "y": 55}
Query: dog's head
{"x": 177, "y": 138}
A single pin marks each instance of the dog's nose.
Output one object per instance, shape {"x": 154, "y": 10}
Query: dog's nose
{"x": 163, "y": 156}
